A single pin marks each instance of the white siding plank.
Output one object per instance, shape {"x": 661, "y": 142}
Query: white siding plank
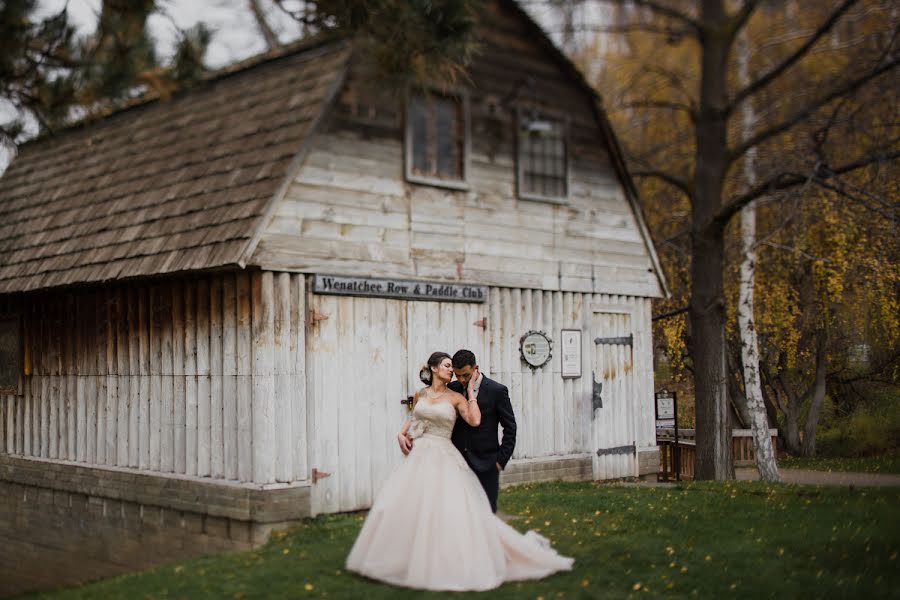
{"x": 263, "y": 379}
{"x": 229, "y": 376}
{"x": 204, "y": 439}
{"x": 216, "y": 401}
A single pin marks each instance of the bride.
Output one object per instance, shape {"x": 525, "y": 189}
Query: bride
{"x": 431, "y": 526}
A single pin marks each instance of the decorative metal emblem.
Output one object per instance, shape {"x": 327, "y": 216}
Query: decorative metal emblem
{"x": 536, "y": 349}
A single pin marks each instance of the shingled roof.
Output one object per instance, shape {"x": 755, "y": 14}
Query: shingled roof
{"x": 166, "y": 186}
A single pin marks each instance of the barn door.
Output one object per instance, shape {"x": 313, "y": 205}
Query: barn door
{"x": 612, "y": 423}
{"x": 364, "y": 356}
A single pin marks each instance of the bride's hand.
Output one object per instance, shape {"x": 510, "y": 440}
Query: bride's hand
{"x": 472, "y": 392}
{"x": 405, "y": 443}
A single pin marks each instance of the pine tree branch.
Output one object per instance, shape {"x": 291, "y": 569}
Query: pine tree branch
{"x": 806, "y": 111}
{"x": 791, "y": 59}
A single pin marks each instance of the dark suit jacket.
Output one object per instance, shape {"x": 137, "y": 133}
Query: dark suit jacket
{"x": 479, "y": 445}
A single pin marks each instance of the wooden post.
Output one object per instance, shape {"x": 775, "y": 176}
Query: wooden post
{"x": 229, "y": 376}
{"x": 124, "y": 377}
{"x": 203, "y": 406}
{"x": 178, "y": 399}
{"x": 244, "y": 365}
{"x": 282, "y": 368}
{"x": 216, "y": 426}
{"x": 262, "y": 286}
{"x": 190, "y": 378}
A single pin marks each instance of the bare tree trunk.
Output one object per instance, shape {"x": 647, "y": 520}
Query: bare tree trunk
{"x": 759, "y": 424}
{"x": 791, "y": 409}
{"x": 263, "y": 25}
{"x": 707, "y": 310}
{"x": 816, "y": 395}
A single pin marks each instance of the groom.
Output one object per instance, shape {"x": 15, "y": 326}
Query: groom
{"x": 478, "y": 445}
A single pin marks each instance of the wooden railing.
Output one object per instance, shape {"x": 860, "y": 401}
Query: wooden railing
{"x": 685, "y": 451}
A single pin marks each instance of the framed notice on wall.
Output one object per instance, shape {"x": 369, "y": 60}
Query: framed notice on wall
{"x": 570, "y": 339}
{"x": 10, "y": 355}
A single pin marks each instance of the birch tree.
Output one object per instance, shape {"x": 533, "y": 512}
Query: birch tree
{"x": 759, "y": 422}
{"x": 713, "y": 102}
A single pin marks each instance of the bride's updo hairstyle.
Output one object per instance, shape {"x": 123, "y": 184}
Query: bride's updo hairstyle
{"x": 434, "y": 360}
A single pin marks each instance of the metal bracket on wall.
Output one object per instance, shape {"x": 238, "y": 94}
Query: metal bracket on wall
{"x": 317, "y": 475}
{"x": 482, "y": 322}
{"x": 596, "y": 397}
{"x": 628, "y": 340}
{"x": 617, "y": 450}
{"x": 315, "y": 316}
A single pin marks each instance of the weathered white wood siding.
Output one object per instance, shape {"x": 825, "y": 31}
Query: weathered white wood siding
{"x": 350, "y": 211}
{"x": 202, "y": 377}
{"x": 554, "y": 414}
{"x": 365, "y": 357}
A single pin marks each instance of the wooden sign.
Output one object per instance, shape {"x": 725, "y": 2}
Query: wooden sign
{"x": 665, "y": 409}
{"x": 401, "y": 289}
{"x": 570, "y": 340}
{"x": 535, "y": 348}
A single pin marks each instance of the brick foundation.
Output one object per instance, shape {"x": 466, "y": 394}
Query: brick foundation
{"x": 62, "y": 524}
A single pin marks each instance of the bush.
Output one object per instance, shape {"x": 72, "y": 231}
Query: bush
{"x": 870, "y": 430}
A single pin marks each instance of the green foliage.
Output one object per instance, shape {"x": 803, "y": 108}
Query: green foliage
{"x": 706, "y": 540}
{"x": 871, "y": 429}
{"x": 418, "y": 41}
{"x": 48, "y": 73}
{"x": 888, "y": 464}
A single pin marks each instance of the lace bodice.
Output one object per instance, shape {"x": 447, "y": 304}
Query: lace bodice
{"x": 438, "y": 418}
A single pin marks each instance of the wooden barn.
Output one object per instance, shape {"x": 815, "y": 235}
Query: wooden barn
{"x": 212, "y": 307}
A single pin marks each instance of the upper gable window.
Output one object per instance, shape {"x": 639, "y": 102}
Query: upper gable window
{"x": 543, "y": 165}
{"x": 436, "y": 140}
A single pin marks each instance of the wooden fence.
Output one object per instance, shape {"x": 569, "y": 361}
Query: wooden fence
{"x": 684, "y": 453}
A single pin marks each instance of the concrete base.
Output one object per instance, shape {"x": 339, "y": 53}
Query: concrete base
{"x": 62, "y": 523}
{"x": 568, "y": 468}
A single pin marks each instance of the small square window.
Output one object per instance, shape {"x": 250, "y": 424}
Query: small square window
{"x": 542, "y": 157}
{"x": 436, "y": 140}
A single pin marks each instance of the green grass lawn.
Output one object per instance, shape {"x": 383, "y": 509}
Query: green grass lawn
{"x": 704, "y": 540}
{"x": 873, "y": 464}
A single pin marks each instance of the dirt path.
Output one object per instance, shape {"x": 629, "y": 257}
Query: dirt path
{"x": 810, "y": 477}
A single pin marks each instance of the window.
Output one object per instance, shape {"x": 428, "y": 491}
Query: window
{"x": 10, "y": 354}
{"x": 542, "y": 157}
{"x": 436, "y": 140}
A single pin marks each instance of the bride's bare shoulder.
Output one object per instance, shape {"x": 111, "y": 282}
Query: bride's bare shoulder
{"x": 456, "y": 397}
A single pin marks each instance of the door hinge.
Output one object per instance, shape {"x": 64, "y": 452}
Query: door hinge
{"x": 317, "y": 475}
{"x": 627, "y": 340}
{"x": 315, "y": 316}
{"x": 482, "y": 322}
{"x": 617, "y": 450}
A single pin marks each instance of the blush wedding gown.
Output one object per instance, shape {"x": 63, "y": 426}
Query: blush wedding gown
{"x": 431, "y": 526}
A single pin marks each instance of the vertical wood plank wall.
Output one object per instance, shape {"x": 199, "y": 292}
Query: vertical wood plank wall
{"x": 201, "y": 377}
{"x": 553, "y": 415}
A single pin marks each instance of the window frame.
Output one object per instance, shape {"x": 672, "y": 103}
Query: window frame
{"x": 565, "y": 123}
{"x": 454, "y": 184}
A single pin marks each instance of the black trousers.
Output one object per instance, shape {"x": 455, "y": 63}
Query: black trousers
{"x": 490, "y": 481}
